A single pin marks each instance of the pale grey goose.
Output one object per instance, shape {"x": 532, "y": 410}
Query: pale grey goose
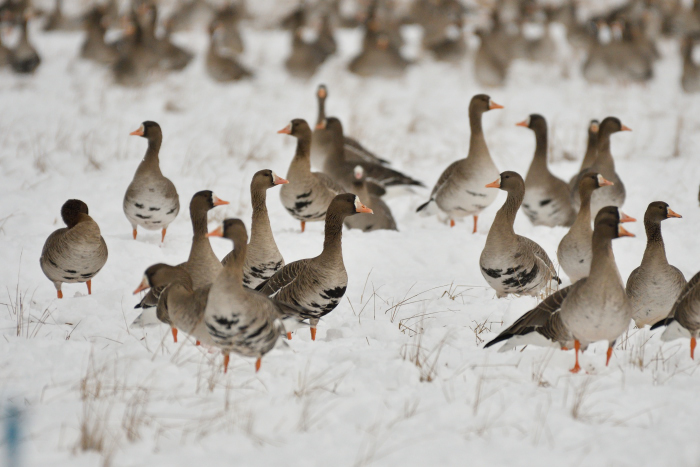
{"x": 460, "y": 190}
{"x": 511, "y": 263}
{"x": 684, "y": 319}
{"x": 318, "y": 284}
{"x": 654, "y": 286}
{"x": 151, "y": 200}
{"x": 75, "y": 253}
{"x": 308, "y": 193}
{"x": 547, "y": 201}
{"x": 382, "y": 219}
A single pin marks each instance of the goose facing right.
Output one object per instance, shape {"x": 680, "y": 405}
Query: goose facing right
{"x": 382, "y": 219}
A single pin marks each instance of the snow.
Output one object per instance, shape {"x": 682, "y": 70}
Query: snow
{"x": 355, "y": 396}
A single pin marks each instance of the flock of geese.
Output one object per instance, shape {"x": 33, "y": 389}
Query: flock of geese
{"x": 248, "y": 300}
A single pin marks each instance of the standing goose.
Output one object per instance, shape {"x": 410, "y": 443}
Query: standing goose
{"x": 305, "y": 58}
{"x": 24, "y": 58}
{"x": 511, "y": 263}
{"x": 379, "y": 57}
{"x": 690, "y": 79}
{"x": 655, "y": 285}
{"x": 75, "y": 253}
{"x": 94, "y": 47}
{"x": 309, "y": 193}
{"x": 151, "y": 200}
{"x": 342, "y": 171}
{"x": 263, "y": 258}
{"x": 684, "y": 319}
{"x": 321, "y": 144}
{"x": 318, "y": 284}
{"x": 613, "y": 195}
{"x": 588, "y": 158}
{"x": 220, "y": 66}
{"x": 459, "y": 191}
{"x": 241, "y": 320}
{"x": 382, "y": 219}
{"x": 547, "y": 201}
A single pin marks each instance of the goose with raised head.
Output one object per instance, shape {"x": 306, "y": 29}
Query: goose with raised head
{"x": 511, "y": 263}
{"x": 589, "y": 156}
{"x": 459, "y": 192}
{"x": 654, "y": 286}
{"x": 263, "y": 258}
{"x": 151, "y": 200}
{"x": 547, "y": 201}
{"x": 684, "y": 319}
{"x": 318, "y": 284}
{"x": 94, "y": 47}
{"x": 378, "y": 57}
{"x": 308, "y": 193}
{"x": 220, "y": 66}
{"x": 306, "y": 57}
{"x": 382, "y": 219}
{"x": 75, "y": 253}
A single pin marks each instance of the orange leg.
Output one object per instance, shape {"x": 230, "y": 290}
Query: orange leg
{"x": 565, "y": 348}
{"x": 577, "y": 367}
{"x": 476, "y": 219}
{"x": 289, "y": 336}
{"x": 313, "y": 334}
{"x": 303, "y": 226}
{"x": 134, "y": 234}
{"x": 258, "y": 362}
{"x": 89, "y": 284}
{"x": 60, "y": 294}
{"x": 197, "y": 343}
{"x": 162, "y": 238}
{"x": 174, "y": 331}
{"x": 609, "y": 355}
{"x": 452, "y": 222}
{"x": 693, "y": 343}
{"x": 226, "y": 357}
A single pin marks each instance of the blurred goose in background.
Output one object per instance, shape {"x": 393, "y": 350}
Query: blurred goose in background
{"x": 381, "y": 219}
{"x": 221, "y": 67}
{"x": 588, "y": 158}
{"x": 318, "y": 284}
{"x": 326, "y": 38}
{"x": 151, "y": 200}
{"x": 137, "y": 61}
{"x": 308, "y": 194}
{"x": 511, "y": 263}
{"x": 171, "y": 56}
{"x": 690, "y": 79}
{"x": 56, "y": 21}
{"x": 75, "y": 253}
{"x": 228, "y": 18}
{"x": 459, "y": 191}
{"x": 442, "y": 23}
{"x": 378, "y": 57}
{"x": 494, "y": 54}
{"x": 654, "y": 286}
{"x": 94, "y": 47}
{"x": 547, "y": 200}
{"x": 5, "y": 53}
{"x": 191, "y": 15}
{"x": 307, "y": 55}
{"x": 684, "y": 319}
{"x": 24, "y": 58}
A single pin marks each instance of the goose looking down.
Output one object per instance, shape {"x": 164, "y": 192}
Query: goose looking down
{"x": 321, "y": 144}
{"x": 655, "y": 285}
{"x": 318, "y": 284}
{"x": 684, "y": 319}
{"x": 589, "y": 157}
{"x": 459, "y": 192}
{"x": 24, "y": 58}
{"x": 547, "y": 201}
{"x": 241, "y": 320}
{"x": 75, "y": 253}
{"x": 308, "y": 193}
{"x": 575, "y": 250}
{"x": 151, "y": 200}
{"x": 511, "y": 263}
{"x": 263, "y": 258}
{"x": 382, "y": 219}
{"x": 593, "y": 309}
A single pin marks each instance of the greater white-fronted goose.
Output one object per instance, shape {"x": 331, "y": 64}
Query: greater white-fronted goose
{"x": 382, "y": 219}
{"x": 511, "y": 263}
{"x": 321, "y": 144}
{"x": 379, "y": 57}
{"x": 684, "y": 319}
{"x": 5, "y": 54}
{"x": 24, "y": 57}
{"x": 318, "y": 284}
{"x": 94, "y": 47}
{"x": 308, "y": 193}
{"x": 342, "y": 171}
{"x": 56, "y": 21}
{"x": 690, "y": 79}
{"x": 547, "y": 200}
{"x": 613, "y": 195}
{"x": 593, "y": 309}
{"x": 227, "y": 18}
{"x": 191, "y": 15}
{"x": 460, "y": 190}
{"x": 263, "y": 258}
{"x": 222, "y": 67}
{"x": 151, "y": 200}
{"x": 137, "y": 60}
{"x": 75, "y": 253}
{"x": 305, "y": 58}
{"x": 238, "y": 319}
{"x": 655, "y": 285}
{"x": 588, "y": 158}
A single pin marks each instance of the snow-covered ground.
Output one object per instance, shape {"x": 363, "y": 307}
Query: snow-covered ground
{"x": 397, "y": 375}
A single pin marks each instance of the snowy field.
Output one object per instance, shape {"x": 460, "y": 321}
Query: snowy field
{"x": 397, "y": 375}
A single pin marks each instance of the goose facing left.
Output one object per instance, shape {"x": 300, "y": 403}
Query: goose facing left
{"x": 151, "y": 200}
{"x": 75, "y": 253}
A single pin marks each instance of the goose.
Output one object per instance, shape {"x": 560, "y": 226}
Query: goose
{"x": 318, "y": 284}
{"x": 654, "y": 286}
{"x": 379, "y": 57}
{"x": 238, "y": 319}
{"x": 24, "y": 58}
{"x": 308, "y": 193}
{"x": 171, "y": 56}
{"x": 5, "y": 54}
{"x": 263, "y": 258}
{"x": 459, "y": 191}
{"x": 230, "y": 38}
{"x": 382, "y": 219}
{"x": 151, "y": 200}
{"x": 547, "y": 201}
{"x": 593, "y": 309}
{"x": 75, "y": 253}
{"x": 589, "y": 157}
{"x": 613, "y": 195}
{"x": 137, "y": 61}
{"x": 222, "y": 68}
{"x": 305, "y": 58}
{"x": 94, "y": 47}
{"x": 511, "y": 263}
{"x": 321, "y": 144}
{"x": 690, "y": 79}
{"x": 191, "y": 15}
{"x": 342, "y": 171}
{"x": 56, "y": 21}
{"x": 326, "y": 40}
{"x": 684, "y": 319}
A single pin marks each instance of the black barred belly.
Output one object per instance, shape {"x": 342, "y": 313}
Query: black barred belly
{"x": 516, "y": 279}
{"x": 325, "y": 302}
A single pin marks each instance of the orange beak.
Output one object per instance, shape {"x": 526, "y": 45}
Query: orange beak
{"x": 321, "y": 125}
{"x": 364, "y": 209}
{"x": 493, "y": 105}
{"x": 621, "y": 232}
{"x": 626, "y": 128}
{"x": 218, "y": 232}
{"x": 142, "y": 286}
{"x": 219, "y": 201}
{"x": 523, "y": 123}
{"x": 322, "y": 93}
{"x": 670, "y": 213}
{"x": 138, "y": 132}
{"x": 625, "y": 218}
{"x": 603, "y": 182}
{"x": 286, "y": 130}
{"x": 280, "y": 181}
{"x": 494, "y": 184}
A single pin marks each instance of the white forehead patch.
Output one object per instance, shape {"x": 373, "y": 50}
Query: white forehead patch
{"x": 600, "y": 179}
{"x": 358, "y": 171}
{"x": 358, "y": 203}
